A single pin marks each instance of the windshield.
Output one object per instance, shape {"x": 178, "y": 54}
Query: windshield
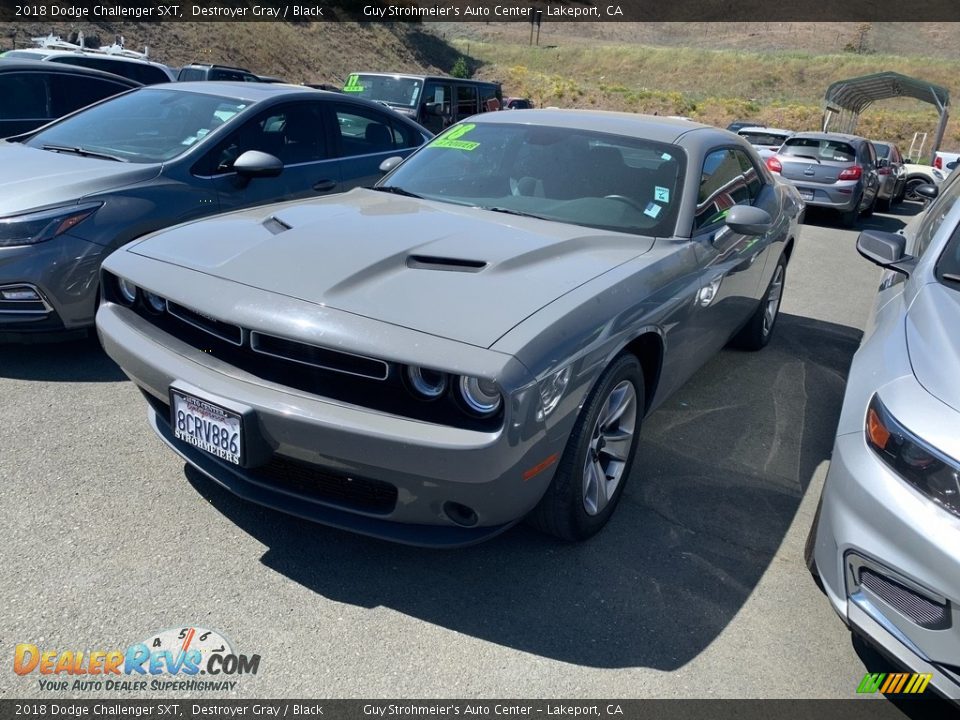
{"x": 398, "y": 91}
{"x": 144, "y": 126}
{"x": 603, "y": 181}
{"x": 764, "y": 138}
{"x": 831, "y": 150}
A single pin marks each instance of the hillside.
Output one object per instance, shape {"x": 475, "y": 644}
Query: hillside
{"x": 716, "y": 72}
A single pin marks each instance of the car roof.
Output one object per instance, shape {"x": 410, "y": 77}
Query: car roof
{"x": 829, "y": 136}
{"x": 417, "y": 76}
{"x": 650, "y": 127}
{"x": 240, "y": 90}
{"x": 20, "y": 65}
{"x": 50, "y": 53}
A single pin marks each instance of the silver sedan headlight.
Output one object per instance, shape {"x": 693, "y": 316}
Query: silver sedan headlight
{"x": 925, "y": 468}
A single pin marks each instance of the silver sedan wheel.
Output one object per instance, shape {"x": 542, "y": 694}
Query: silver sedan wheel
{"x": 610, "y": 444}
{"x": 773, "y": 300}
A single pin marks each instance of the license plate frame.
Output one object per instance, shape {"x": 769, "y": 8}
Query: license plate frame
{"x": 201, "y": 435}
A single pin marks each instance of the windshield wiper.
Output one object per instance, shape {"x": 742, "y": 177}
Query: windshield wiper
{"x": 396, "y": 190}
{"x": 510, "y": 211}
{"x": 83, "y": 152}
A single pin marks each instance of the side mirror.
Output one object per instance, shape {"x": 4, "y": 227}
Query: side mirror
{"x": 748, "y": 220}
{"x": 886, "y": 250}
{"x": 929, "y": 192}
{"x": 435, "y": 109}
{"x": 390, "y": 163}
{"x": 256, "y": 164}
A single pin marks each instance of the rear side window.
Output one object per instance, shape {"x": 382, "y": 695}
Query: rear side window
{"x": 466, "y": 101}
{"x": 141, "y": 72}
{"x": 835, "y": 150}
{"x": 191, "y": 74}
{"x": 763, "y": 138}
{"x": 24, "y": 96}
{"x": 364, "y": 132}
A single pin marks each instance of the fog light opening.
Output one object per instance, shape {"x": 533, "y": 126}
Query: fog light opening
{"x": 460, "y": 514}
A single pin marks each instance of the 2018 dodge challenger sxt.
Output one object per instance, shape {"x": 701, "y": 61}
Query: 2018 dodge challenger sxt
{"x": 474, "y": 340}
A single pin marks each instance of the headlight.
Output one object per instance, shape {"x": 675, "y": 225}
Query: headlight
{"x": 922, "y": 466}
{"x": 552, "y": 388}
{"x": 37, "y": 227}
{"x": 128, "y": 291}
{"x": 481, "y": 397}
{"x": 154, "y": 302}
{"x": 427, "y": 384}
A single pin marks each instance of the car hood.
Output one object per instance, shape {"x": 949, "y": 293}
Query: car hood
{"x": 32, "y": 178}
{"x": 455, "y": 272}
{"x": 933, "y": 341}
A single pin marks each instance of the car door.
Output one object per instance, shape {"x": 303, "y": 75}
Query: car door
{"x": 867, "y": 157}
{"x": 296, "y": 134}
{"x": 731, "y": 264}
{"x": 364, "y": 137}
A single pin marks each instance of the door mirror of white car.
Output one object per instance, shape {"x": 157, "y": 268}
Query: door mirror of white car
{"x": 748, "y": 220}
{"x": 886, "y": 250}
{"x": 390, "y": 163}
{"x": 256, "y": 164}
{"x": 929, "y": 192}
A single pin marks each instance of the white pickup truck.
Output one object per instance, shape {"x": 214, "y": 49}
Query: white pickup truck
{"x": 945, "y": 161}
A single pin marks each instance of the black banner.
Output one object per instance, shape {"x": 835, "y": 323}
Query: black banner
{"x": 864, "y": 709}
{"x": 527, "y": 11}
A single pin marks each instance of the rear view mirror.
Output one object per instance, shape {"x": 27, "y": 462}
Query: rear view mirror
{"x": 927, "y": 191}
{"x": 748, "y": 220}
{"x": 885, "y": 249}
{"x": 256, "y": 164}
{"x": 390, "y": 163}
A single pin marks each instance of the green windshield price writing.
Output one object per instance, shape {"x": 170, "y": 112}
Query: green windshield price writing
{"x": 451, "y": 139}
{"x": 353, "y": 84}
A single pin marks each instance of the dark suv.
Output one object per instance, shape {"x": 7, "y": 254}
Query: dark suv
{"x": 832, "y": 170}
{"x": 434, "y": 101}
{"x": 37, "y": 92}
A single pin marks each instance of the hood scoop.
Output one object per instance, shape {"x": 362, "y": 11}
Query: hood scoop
{"x": 429, "y": 262}
{"x": 275, "y": 225}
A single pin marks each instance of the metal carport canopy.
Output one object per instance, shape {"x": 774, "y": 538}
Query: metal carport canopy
{"x": 846, "y": 99}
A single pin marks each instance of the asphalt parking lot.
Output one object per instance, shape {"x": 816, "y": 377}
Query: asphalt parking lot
{"x": 697, "y": 588}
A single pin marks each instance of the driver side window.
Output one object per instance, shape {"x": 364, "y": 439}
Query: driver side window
{"x": 725, "y": 181}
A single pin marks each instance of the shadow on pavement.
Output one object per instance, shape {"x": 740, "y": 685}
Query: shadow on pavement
{"x": 67, "y": 361}
{"x": 722, "y": 468}
{"x": 889, "y": 221}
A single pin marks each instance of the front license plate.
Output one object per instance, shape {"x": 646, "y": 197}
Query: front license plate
{"x": 209, "y": 427}
{"x": 806, "y": 194}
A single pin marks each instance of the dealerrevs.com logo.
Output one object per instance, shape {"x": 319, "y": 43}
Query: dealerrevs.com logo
{"x": 188, "y": 658}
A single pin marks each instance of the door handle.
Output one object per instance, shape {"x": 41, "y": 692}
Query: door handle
{"x": 324, "y": 185}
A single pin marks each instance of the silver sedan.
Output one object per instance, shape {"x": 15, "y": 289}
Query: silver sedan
{"x": 886, "y": 542}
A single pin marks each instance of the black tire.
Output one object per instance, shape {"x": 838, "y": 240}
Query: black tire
{"x": 562, "y": 510}
{"x": 910, "y": 189}
{"x": 758, "y": 331}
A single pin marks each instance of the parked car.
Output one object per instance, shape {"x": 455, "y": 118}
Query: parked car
{"x": 739, "y": 124}
{"x": 886, "y": 539}
{"x": 211, "y": 72}
{"x": 36, "y": 92}
{"x": 142, "y": 70}
{"x": 517, "y": 103}
{"x": 945, "y": 161}
{"x": 435, "y": 102}
{"x": 74, "y": 190}
{"x": 917, "y": 175}
{"x": 766, "y": 141}
{"x": 477, "y": 337}
{"x": 893, "y": 178}
{"x": 832, "y": 170}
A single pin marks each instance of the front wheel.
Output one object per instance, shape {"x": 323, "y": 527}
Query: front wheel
{"x": 596, "y": 463}
{"x": 756, "y": 334}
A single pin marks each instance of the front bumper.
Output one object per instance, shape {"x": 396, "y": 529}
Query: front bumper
{"x": 65, "y": 272}
{"x": 889, "y": 560}
{"x": 430, "y": 466}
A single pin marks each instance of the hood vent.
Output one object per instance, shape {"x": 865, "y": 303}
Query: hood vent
{"x": 427, "y": 262}
{"x": 275, "y": 226}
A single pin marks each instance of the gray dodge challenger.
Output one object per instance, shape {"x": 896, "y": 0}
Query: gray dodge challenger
{"x": 474, "y": 340}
